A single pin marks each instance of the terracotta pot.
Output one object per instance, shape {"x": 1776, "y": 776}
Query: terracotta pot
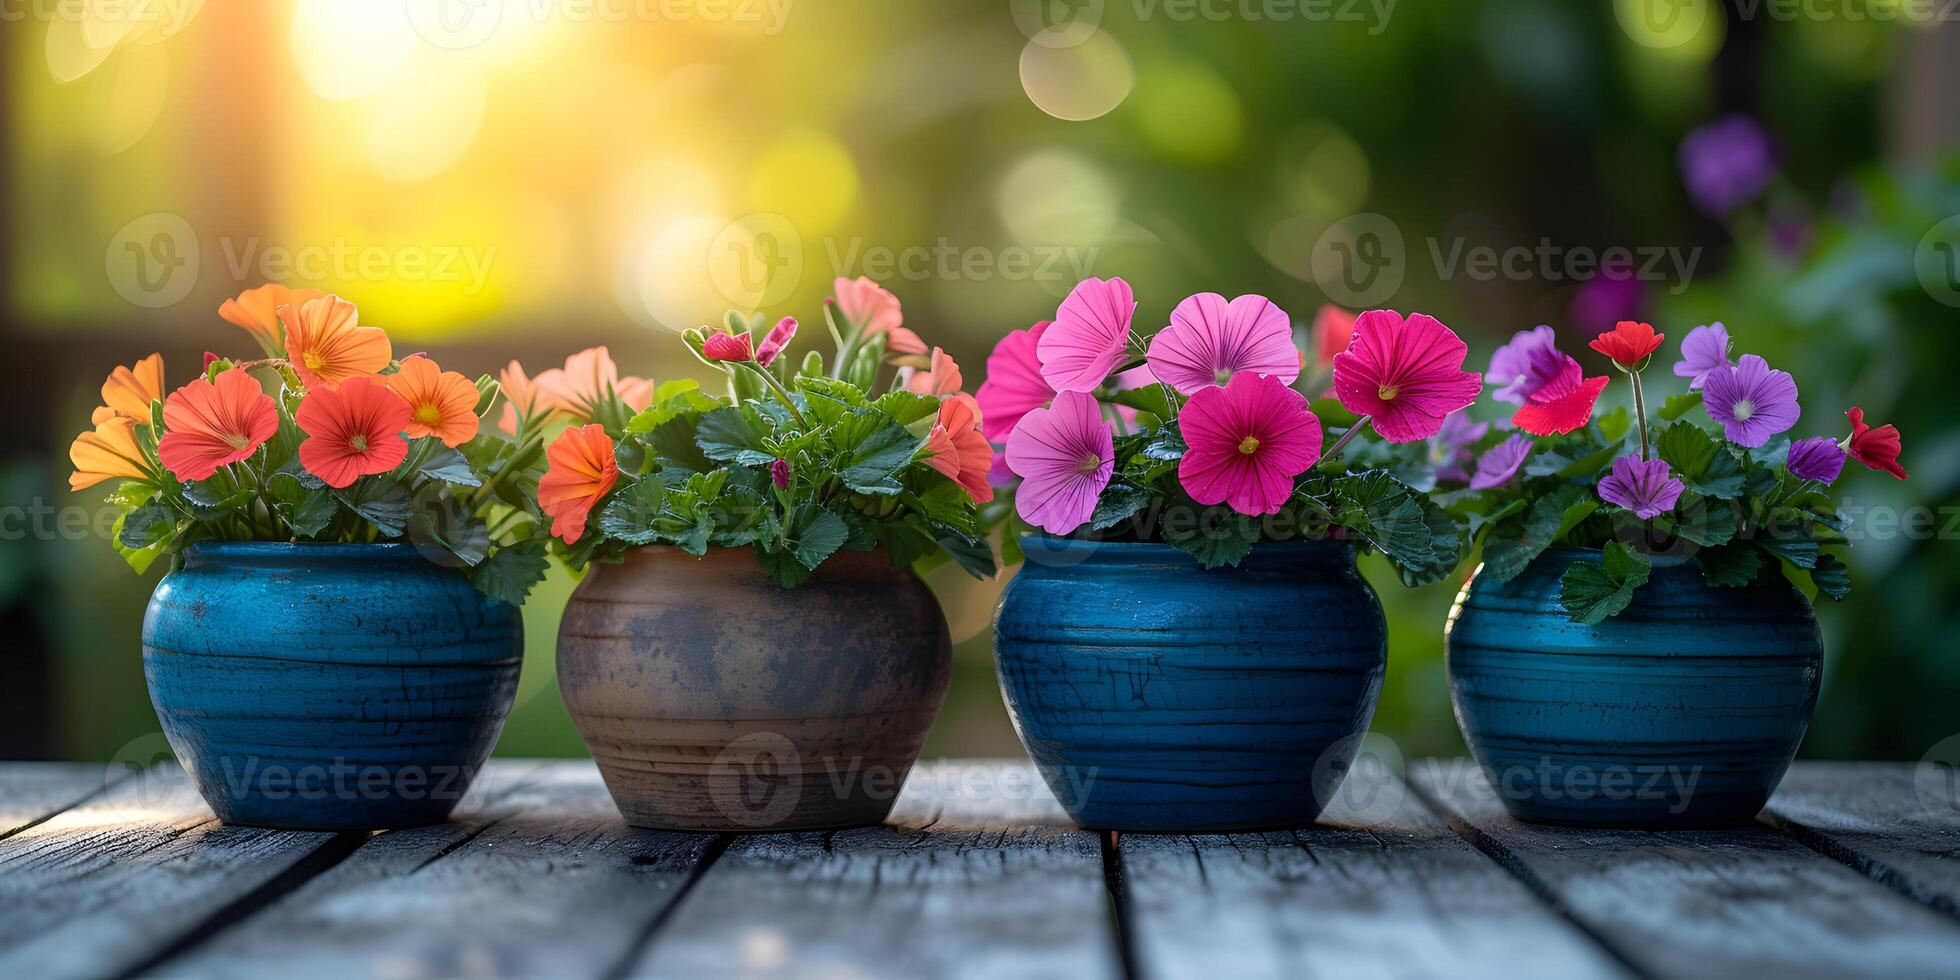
{"x": 715, "y": 699}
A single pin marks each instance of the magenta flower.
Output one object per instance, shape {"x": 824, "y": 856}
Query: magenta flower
{"x": 1501, "y": 463}
{"x": 1643, "y": 486}
{"x": 1246, "y": 442}
{"x": 1090, "y": 336}
{"x": 773, "y": 343}
{"x": 1064, "y": 455}
{"x": 1751, "y": 400}
{"x": 1210, "y": 340}
{"x": 1407, "y": 374}
{"x": 1014, "y": 386}
{"x": 779, "y": 473}
{"x": 1449, "y": 448}
{"x": 1703, "y": 351}
{"x": 1726, "y": 163}
{"x": 1529, "y": 362}
{"x": 1819, "y": 458}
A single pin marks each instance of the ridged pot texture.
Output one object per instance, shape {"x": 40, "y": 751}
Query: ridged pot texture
{"x": 1157, "y": 695}
{"x": 1683, "y": 710}
{"x": 326, "y": 686}
{"x": 713, "y": 698}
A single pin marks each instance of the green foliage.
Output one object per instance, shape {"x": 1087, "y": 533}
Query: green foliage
{"x": 1591, "y": 592}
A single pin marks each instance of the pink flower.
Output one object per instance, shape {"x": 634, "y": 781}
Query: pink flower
{"x": 874, "y": 310}
{"x": 1407, "y": 374}
{"x": 959, "y": 451}
{"x": 1064, "y": 456}
{"x": 1333, "y": 329}
{"x": 1247, "y": 441}
{"x": 726, "y": 347}
{"x": 779, "y": 473}
{"x": 1210, "y": 340}
{"x": 942, "y": 379}
{"x": 773, "y": 343}
{"x": 1090, "y": 336}
{"x": 1014, "y": 386}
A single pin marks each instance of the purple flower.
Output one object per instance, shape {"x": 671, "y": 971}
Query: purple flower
{"x": 1642, "y": 486}
{"x": 1607, "y": 298}
{"x": 1819, "y": 458}
{"x": 779, "y": 472}
{"x": 1501, "y": 463}
{"x": 1703, "y": 350}
{"x": 1751, "y": 400}
{"x": 1727, "y": 163}
{"x": 1529, "y": 362}
{"x": 1449, "y": 448}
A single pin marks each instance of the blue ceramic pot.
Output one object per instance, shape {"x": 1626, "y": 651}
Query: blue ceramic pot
{"x": 328, "y": 686}
{"x": 1683, "y": 710}
{"x": 1155, "y": 695}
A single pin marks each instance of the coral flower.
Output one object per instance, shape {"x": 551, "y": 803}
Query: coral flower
{"x": 874, "y": 310}
{"x": 440, "y": 403}
{"x": 1562, "y": 405}
{"x": 1751, "y": 400}
{"x": 326, "y": 344}
{"x": 107, "y": 453}
{"x": 257, "y": 310}
{"x": 1247, "y": 441}
{"x": 579, "y": 470}
{"x": 942, "y": 379}
{"x": 1333, "y": 329}
{"x": 1819, "y": 458}
{"x": 1704, "y": 351}
{"x": 208, "y": 424}
{"x": 523, "y": 397}
{"x": 959, "y": 451}
{"x": 352, "y": 431}
{"x": 1014, "y": 385}
{"x": 1405, "y": 373}
{"x": 1628, "y": 343}
{"x": 1529, "y": 362}
{"x": 775, "y": 340}
{"x": 1090, "y": 336}
{"x": 128, "y": 391}
{"x": 1876, "y": 448}
{"x": 1210, "y": 339}
{"x": 727, "y": 347}
{"x": 588, "y": 378}
{"x": 1064, "y": 455}
{"x": 1502, "y": 462}
{"x": 1643, "y": 486}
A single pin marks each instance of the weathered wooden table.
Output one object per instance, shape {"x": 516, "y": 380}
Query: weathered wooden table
{"x": 1854, "y": 870}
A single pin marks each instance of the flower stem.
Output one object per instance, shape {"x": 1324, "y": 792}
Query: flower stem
{"x": 1640, "y": 412}
{"x": 781, "y": 393}
{"x": 1341, "y": 443}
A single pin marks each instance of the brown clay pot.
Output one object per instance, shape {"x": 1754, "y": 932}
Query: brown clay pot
{"x": 715, "y": 699}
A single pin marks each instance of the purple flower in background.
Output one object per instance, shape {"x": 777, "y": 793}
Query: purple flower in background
{"x": 1529, "y": 362}
{"x": 1703, "y": 350}
{"x": 1727, "y": 163}
{"x": 1501, "y": 463}
{"x": 1818, "y": 458}
{"x": 1607, "y": 298}
{"x": 1643, "y": 486}
{"x": 1751, "y": 400}
{"x": 1449, "y": 448}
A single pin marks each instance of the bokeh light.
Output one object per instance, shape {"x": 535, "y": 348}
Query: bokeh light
{"x": 1077, "y": 82}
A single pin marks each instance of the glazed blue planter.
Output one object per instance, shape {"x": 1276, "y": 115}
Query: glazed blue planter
{"x": 1683, "y": 710}
{"x": 328, "y": 686}
{"x": 1155, "y": 695}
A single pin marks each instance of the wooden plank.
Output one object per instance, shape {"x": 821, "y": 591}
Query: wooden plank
{"x": 540, "y": 878}
{"x": 105, "y": 886}
{"x": 1380, "y": 887}
{"x": 1703, "y": 903}
{"x": 977, "y": 874}
{"x": 31, "y": 792}
{"x": 1895, "y": 822}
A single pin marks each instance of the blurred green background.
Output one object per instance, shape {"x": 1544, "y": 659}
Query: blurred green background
{"x": 526, "y": 179}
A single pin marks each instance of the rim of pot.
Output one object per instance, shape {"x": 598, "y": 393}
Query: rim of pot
{"x": 1044, "y": 548}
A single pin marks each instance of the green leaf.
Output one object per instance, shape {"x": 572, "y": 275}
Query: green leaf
{"x": 816, "y": 534}
{"x": 1699, "y": 461}
{"x": 1732, "y": 565}
{"x": 734, "y": 434}
{"x": 673, "y": 445}
{"x": 1515, "y": 541}
{"x": 970, "y": 553}
{"x": 1149, "y": 398}
{"x": 1332, "y": 414}
{"x": 149, "y": 524}
{"x": 907, "y": 407}
{"x": 1789, "y": 540}
{"x": 1217, "y": 537}
{"x": 385, "y": 505}
{"x": 306, "y": 510}
{"x": 441, "y": 520}
{"x": 1702, "y": 520}
{"x": 450, "y": 466}
{"x": 671, "y": 399}
{"x": 1387, "y": 514}
{"x": 872, "y": 447}
{"x": 1678, "y": 405}
{"x": 511, "y": 571}
{"x": 633, "y": 510}
{"x": 1614, "y": 425}
{"x": 1591, "y": 592}
{"x": 1832, "y": 577}
{"x": 1119, "y": 502}
{"x": 208, "y": 503}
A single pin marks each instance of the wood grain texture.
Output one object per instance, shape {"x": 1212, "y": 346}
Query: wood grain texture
{"x": 1380, "y": 887}
{"x": 31, "y": 792}
{"x": 539, "y": 878}
{"x": 1703, "y": 903}
{"x": 975, "y": 876}
{"x": 1895, "y": 822}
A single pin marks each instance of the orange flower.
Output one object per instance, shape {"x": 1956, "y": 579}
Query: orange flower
{"x": 326, "y": 345}
{"x": 129, "y": 391}
{"x": 208, "y": 424}
{"x": 257, "y": 310}
{"x": 874, "y": 310}
{"x": 943, "y": 379}
{"x": 352, "y": 431}
{"x": 959, "y": 451}
{"x": 440, "y": 403}
{"x": 108, "y": 453}
{"x": 588, "y": 378}
{"x": 579, "y": 469}
{"x": 522, "y": 397}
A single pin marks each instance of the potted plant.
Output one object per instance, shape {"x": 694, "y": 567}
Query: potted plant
{"x": 751, "y": 648}
{"x": 1188, "y": 646}
{"x": 337, "y": 641}
{"x": 1633, "y": 650}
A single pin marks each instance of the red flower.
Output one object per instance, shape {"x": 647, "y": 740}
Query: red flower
{"x": 353, "y": 430}
{"x": 1877, "y": 448}
{"x": 1629, "y": 343}
{"x": 727, "y": 347}
{"x": 209, "y": 424}
{"x": 1563, "y": 404}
